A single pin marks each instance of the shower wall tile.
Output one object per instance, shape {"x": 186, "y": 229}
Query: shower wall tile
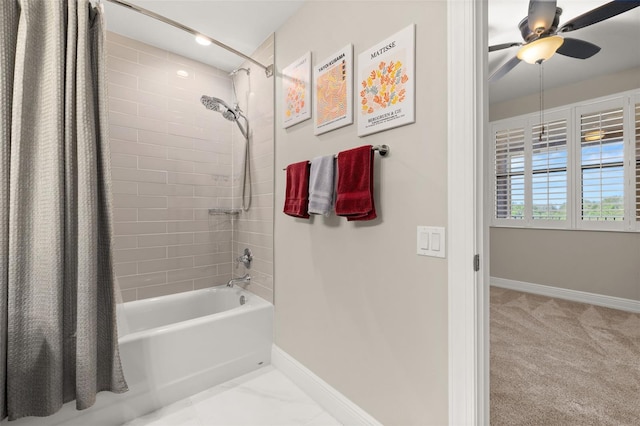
{"x": 139, "y": 228}
{"x": 140, "y": 149}
{"x": 156, "y": 138}
{"x": 166, "y": 264}
{"x": 125, "y": 215}
{"x": 142, "y": 280}
{"x": 164, "y": 240}
{"x": 124, "y": 269}
{"x": 122, "y": 187}
{"x": 254, "y": 228}
{"x": 169, "y": 165}
{"x": 129, "y": 255}
{"x": 128, "y": 200}
{"x": 164, "y": 189}
{"x": 122, "y": 106}
{"x": 123, "y": 160}
{"x": 125, "y": 242}
{"x": 122, "y": 52}
{"x": 138, "y": 175}
{"x": 129, "y": 295}
{"x": 171, "y": 162}
{"x": 122, "y": 133}
{"x": 163, "y": 290}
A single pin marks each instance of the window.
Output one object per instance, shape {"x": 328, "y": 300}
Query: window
{"x": 636, "y": 189}
{"x": 580, "y": 169}
{"x": 602, "y": 165}
{"x": 549, "y": 171}
{"x": 509, "y": 172}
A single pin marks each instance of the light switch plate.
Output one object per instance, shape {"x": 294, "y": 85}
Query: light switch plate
{"x": 430, "y": 241}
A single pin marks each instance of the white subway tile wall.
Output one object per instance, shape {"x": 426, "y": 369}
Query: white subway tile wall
{"x": 254, "y": 229}
{"x": 171, "y": 162}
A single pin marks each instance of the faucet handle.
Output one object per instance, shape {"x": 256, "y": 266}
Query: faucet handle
{"x": 246, "y": 259}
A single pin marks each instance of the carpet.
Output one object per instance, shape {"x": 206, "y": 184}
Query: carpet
{"x": 556, "y": 362}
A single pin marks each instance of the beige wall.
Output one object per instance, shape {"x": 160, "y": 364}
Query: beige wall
{"x": 354, "y": 303}
{"x": 596, "y": 262}
{"x": 565, "y": 95}
{"x": 171, "y": 161}
{"x": 254, "y": 228}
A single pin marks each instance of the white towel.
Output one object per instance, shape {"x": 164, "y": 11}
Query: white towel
{"x": 321, "y": 185}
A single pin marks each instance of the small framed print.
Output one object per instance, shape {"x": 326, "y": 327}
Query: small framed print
{"x": 386, "y": 83}
{"x": 333, "y": 87}
{"x": 296, "y": 82}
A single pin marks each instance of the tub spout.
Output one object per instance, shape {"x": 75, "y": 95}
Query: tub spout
{"x": 244, "y": 280}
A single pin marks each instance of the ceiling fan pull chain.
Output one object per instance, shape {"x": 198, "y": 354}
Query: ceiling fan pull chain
{"x": 541, "y": 102}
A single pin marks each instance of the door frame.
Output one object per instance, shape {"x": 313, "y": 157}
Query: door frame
{"x": 467, "y": 231}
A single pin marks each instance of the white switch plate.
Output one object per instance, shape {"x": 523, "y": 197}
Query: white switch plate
{"x": 430, "y": 241}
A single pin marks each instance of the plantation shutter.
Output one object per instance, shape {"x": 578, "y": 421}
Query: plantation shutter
{"x": 602, "y": 165}
{"x": 509, "y": 173}
{"x": 636, "y": 120}
{"x": 549, "y": 171}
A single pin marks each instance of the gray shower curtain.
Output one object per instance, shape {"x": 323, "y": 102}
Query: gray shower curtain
{"x": 58, "y": 338}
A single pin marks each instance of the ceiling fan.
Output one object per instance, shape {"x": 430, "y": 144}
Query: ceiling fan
{"x": 540, "y": 33}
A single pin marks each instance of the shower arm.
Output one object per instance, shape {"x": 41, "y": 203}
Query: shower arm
{"x": 268, "y": 69}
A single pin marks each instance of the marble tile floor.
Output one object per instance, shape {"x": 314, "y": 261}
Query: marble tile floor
{"x": 260, "y": 398}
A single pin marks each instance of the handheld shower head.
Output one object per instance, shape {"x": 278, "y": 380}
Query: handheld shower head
{"x": 213, "y": 103}
{"x": 234, "y": 114}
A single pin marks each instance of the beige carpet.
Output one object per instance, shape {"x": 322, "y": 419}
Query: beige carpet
{"x": 555, "y": 362}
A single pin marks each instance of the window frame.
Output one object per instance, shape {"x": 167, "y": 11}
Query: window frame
{"x": 512, "y": 124}
{"x": 572, "y": 114}
{"x": 594, "y": 107}
{"x": 632, "y": 130}
{"x": 527, "y": 123}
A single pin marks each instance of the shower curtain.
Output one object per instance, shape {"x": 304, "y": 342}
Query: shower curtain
{"x": 58, "y": 338}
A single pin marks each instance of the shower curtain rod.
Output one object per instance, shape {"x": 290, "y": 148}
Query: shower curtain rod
{"x": 268, "y": 69}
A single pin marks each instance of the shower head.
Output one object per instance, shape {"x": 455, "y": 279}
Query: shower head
{"x": 213, "y": 103}
{"x": 231, "y": 114}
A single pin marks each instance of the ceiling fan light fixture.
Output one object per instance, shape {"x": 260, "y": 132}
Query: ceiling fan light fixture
{"x": 540, "y": 50}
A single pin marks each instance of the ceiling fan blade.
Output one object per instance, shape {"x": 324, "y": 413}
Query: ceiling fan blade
{"x": 606, "y": 11}
{"x": 504, "y": 69}
{"x": 575, "y": 48}
{"x": 503, "y": 46}
{"x": 541, "y": 14}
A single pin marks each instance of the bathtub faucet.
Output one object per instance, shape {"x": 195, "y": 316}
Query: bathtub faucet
{"x": 244, "y": 280}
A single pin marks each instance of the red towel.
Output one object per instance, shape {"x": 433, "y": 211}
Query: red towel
{"x": 296, "y": 201}
{"x": 355, "y": 184}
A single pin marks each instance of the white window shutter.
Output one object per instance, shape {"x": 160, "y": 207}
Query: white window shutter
{"x": 508, "y": 167}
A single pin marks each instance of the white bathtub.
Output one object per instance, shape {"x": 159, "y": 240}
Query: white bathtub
{"x": 175, "y": 346}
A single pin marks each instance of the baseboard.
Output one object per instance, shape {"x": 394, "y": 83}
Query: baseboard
{"x": 336, "y": 404}
{"x": 573, "y": 295}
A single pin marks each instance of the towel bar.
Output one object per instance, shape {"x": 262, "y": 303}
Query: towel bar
{"x": 383, "y": 150}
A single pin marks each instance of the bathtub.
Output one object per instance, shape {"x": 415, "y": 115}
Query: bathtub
{"x": 175, "y": 346}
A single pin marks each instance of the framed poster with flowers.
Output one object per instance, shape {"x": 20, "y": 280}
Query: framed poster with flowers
{"x": 386, "y": 83}
{"x": 296, "y": 82}
{"x": 333, "y": 97}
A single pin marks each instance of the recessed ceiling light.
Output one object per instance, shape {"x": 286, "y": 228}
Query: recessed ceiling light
{"x": 203, "y": 40}
{"x": 182, "y": 73}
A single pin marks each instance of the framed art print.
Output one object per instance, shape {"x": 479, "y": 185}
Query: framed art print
{"x": 386, "y": 83}
{"x": 333, "y": 91}
{"x": 296, "y": 81}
